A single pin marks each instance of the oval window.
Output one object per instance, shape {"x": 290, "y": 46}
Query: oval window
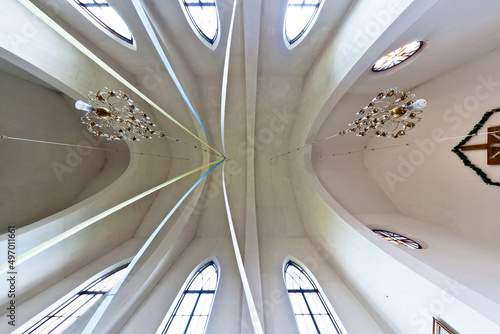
{"x": 397, "y": 56}
{"x": 203, "y": 19}
{"x": 106, "y": 17}
{"x": 299, "y": 18}
{"x": 398, "y": 239}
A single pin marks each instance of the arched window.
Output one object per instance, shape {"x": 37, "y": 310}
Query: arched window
{"x": 299, "y": 18}
{"x": 311, "y": 311}
{"x": 203, "y": 17}
{"x": 192, "y": 311}
{"x": 72, "y": 309}
{"x": 398, "y": 239}
{"x": 105, "y": 16}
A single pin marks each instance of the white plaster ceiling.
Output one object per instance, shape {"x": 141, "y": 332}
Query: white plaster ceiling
{"x": 42, "y": 177}
{"x": 458, "y": 32}
{"x": 450, "y": 29}
{"x": 461, "y": 39}
{"x": 355, "y": 182}
{"x": 434, "y": 194}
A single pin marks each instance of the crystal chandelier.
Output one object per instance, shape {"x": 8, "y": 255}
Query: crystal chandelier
{"x": 391, "y": 114}
{"x": 113, "y": 115}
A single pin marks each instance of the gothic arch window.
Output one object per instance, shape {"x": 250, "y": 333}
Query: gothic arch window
{"x": 192, "y": 310}
{"x": 104, "y": 16}
{"x": 398, "y": 239}
{"x": 69, "y": 311}
{"x": 203, "y": 17}
{"x": 299, "y": 18}
{"x": 309, "y": 307}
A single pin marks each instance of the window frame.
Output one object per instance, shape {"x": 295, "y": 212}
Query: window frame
{"x": 102, "y": 26}
{"x": 290, "y": 44}
{"x": 65, "y": 302}
{"x": 169, "y": 317}
{"x": 397, "y": 239}
{"x": 210, "y": 43}
{"x": 319, "y": 292}
{"x": 409, "y": 58}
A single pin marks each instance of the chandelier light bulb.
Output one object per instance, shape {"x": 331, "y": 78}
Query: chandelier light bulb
{"x": 80, "y": 105}
{"x": 419, "y": 104}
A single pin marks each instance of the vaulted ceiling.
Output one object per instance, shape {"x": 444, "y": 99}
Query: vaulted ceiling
{"x": 279, "y": 101}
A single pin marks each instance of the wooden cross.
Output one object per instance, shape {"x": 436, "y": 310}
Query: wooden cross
{"x": 492, "y": 146}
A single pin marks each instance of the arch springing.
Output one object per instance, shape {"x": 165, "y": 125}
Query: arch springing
{"x": 309, "y": 307}
{"x": 192, "y": 311}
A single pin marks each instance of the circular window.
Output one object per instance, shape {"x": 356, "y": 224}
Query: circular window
{"x": 397, "y": 56}
{"x": 398, "y": 239}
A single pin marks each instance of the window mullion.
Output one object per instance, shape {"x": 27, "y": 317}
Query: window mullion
{"x": 192, "y": 313}
{"x": 310, "y": 312}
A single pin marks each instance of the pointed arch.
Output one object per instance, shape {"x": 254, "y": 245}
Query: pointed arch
{"x": 299, "y": 19}
{"x": 73, "y": 308}
{"x": 203, "y": 17}
{"x": 102, "y": 15}
{"x": 192, "y": 309}
{"x": 311, "y": 310}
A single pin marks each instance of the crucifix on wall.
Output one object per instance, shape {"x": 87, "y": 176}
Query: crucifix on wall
{"x": 492, "y": 146}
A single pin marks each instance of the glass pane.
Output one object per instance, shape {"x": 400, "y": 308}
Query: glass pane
{"x": 206, "y": 20}
{"x": 187, "y": 304}
{"x": 298, "y": 303}
{"x": 204, "y": 16}
{"x": 387, "y": 235}
{"x": 396, "y": 57}
{"x": 325, "y": 324}
{"x": 196, "y": 303}
{"x": 107, "y": 17}
{"x": 202, "y": 323}
{"x": 66, "y": 314}
{"x": 178, "y": 324}
{"x": 110, "y": 18}
{"x": 197, "y": 325}
{"x": 297, "y": 279}
{"x": 298, "y": 17}
{"x": 306, "y": 325}
{"x": 204, "y": 303}
{"x": 315, "y": 304}
{"x": 309, "y": 308}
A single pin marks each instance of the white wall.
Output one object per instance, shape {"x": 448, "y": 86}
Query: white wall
{"x": 46, "y": 178}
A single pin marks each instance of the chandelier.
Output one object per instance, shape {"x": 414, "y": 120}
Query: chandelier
{"x": 113, "y": 115}
{"x": 391, "y": 114}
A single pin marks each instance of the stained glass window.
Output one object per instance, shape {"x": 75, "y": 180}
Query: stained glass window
{"x": 311, "y": 312}
{"x": 397, "y": 56}
{"x": 205, "y": 18}
{"x": 298, "y": 19}
{"x": 192, "y": 311}
{"x": 107, "y": 17}
{"x": 398, "y": 239}
{"x": 72, "y": 309}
